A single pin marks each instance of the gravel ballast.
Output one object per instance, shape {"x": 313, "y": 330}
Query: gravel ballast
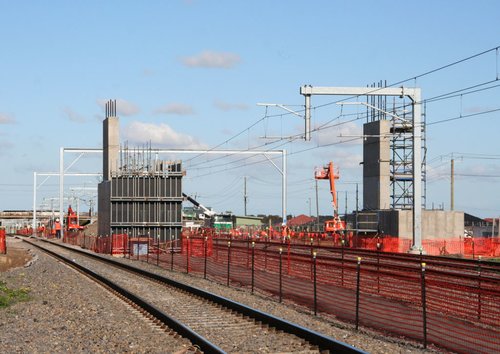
{"x": 68, "y": 312}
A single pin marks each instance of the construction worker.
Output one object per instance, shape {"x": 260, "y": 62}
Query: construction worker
{"x": 57, "y": 226}
{"x": 284, "y": 232}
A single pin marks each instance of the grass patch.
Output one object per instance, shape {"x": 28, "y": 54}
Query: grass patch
{"x": 11, "y": 296}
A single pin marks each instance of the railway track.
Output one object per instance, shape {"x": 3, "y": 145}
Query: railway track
{"x": 212, "y": 323}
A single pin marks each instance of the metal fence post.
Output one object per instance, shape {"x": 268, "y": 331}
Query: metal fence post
{"x": 314, "y": 281}
{"x": 358, "y": 273}
{"x": 187, "y": 254}
{"x": 205, "y": 266}
{"x": 158, "y": 250}
{"x": 479, "y": 288}
{"x": 253, "y": 263}
{"x": 171, "y": 254}
{"x": 228, "y": 260}
{"x": 265, "y": 253}
{"x": 138, "y": 246}
{"x": 424, "y": 306}
{"x": 288, "y": 256}
{"x": 281, "y": 274}
{"x": 147, "y": 254}
{"x": 312, "y": 251}
{"x": 342, "y": 262}
{"x": 129, "y": 248}
{"x": 378, "y": 270}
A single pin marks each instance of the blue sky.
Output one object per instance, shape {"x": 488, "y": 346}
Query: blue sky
{"x": 188, "y": 74}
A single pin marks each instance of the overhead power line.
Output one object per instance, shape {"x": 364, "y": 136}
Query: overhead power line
{"x": 494, "y": 49}
{"x": 464, "y": 116}
{"x": 284, "y": 141}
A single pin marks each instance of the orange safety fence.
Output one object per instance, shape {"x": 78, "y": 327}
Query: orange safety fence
{"x": 459, "y": 246}
{"x": 462, "y": 303}
{"x": 462, "y": 296}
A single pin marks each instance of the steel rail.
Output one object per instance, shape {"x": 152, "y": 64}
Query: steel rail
{"x": 323, "y": 342}
{"x": 181, "y": 329}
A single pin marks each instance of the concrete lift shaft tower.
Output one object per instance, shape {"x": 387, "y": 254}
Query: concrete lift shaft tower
{"x": 415, "y": 96}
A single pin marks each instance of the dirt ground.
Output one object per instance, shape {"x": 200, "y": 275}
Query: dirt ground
{"x": 15, "y": 257}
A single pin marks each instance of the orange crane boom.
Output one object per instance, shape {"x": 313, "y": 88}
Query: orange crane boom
{"x": 328, "y": 172}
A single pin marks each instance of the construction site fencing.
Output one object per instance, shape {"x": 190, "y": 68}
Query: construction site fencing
{"x": 448, "y": 302}
{"x": 467, "y": 247}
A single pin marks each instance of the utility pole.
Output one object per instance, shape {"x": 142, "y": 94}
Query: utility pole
{"x": 345, "y": 214}
{"x": 357, "y": 208}
{"x": 452, "y": 185}
{"x": 245, "y": 197}
{"x": 317, "y": 205}
{"x": 309, "y": 202}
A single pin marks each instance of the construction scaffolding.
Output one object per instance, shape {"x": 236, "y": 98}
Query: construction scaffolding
{"x": 401, "y": 145}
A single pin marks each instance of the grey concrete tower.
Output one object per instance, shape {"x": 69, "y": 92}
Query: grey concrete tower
{"x": 376, "y": 165}
{"x": 110, "y": 141}
{"x": 110, "y": 152}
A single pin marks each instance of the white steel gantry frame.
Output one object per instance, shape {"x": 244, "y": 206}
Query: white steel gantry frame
{"x": 62, "y": 171}
{"x": 36, "y": 186}
{"x": 414, "y": 94}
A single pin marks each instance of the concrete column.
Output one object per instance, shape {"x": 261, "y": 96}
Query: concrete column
{"x": 111, "y": 146}
{"x": 376, "y": 165}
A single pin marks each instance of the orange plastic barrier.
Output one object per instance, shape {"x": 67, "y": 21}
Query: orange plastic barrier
{"x": 3, "y": 244}
{"x": 120, "y": 244}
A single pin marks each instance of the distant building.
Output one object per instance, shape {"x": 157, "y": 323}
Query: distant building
{"x": 478, "y": 227}
{"x": 247, "y": 221}
{"x": 301, "y": 221}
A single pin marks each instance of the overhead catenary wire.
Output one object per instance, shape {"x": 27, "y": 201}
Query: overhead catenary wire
{"x": 464, "y": 116}
{"x": 326, "y": 126}
{"x": 414, "y": 78}
{"x": 363, "y": 116}
{"x": 288, "y": 140}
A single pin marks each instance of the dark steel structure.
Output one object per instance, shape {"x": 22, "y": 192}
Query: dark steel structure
{"x": 148, "y": 202}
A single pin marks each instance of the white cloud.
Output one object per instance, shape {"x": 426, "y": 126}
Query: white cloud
{"x": 6, "y": 119}
{"x": 73, "y": 116}
{"x": 210, "y": 59}
{"x": 175, "y": 108}
{"x": 225, "y": 106}
{"x": 159, "y": 134}
{"x": 123, "y": 107}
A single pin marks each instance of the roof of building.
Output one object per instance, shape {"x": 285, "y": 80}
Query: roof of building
{"x": 474, "y": 220}
{"x": 300, "y": 220}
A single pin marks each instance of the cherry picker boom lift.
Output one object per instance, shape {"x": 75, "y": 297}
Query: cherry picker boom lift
{"x": 334, "y": 227}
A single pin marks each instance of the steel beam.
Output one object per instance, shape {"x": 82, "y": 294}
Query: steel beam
{"x": 180, "y": 151}
{"x": 415, "y": 96}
